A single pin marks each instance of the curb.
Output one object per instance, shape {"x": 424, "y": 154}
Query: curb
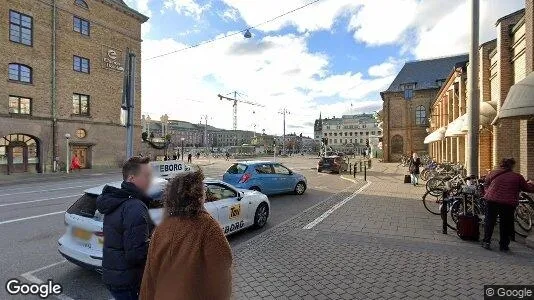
{"x": 49, "y": 177}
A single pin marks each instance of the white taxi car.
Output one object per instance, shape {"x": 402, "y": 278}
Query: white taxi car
{"x": 234, "y": 209}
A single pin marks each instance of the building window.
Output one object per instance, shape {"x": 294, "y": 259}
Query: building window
{"x": 408, "y": 91}
{"x": 350, "y": 133}
{"x": 330, "y": 134}
{"x": 20, "y": 73}
{"x": 20, "y": 105}
{"x": 81, "y": 133}
{"x": 82, "y": 26}
{"x": 81, "y": 3}
{"x": 20, "y": 28}
{"x": 80, "y": 105}
{"x": 335, "y": 141}
{"x": 420, "y": 115}
{"x": 80, "y": 64}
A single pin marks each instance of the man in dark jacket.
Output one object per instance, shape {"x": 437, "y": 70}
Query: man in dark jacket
{"x": 127, "y": 227}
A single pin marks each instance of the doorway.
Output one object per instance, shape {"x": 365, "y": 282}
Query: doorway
{"x": 82, "y": 152}
{"x": 19, "y": 153}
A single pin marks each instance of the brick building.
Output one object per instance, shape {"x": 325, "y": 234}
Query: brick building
{"x": 504, "y": 62}
{"x": 406, "y": 104}
{"x": 63, "y": 62}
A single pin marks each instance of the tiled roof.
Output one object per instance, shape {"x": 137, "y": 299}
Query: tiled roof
{"x": 425, "y": 73}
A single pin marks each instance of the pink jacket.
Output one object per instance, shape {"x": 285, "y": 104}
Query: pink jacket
{"x": 505, "y": 187}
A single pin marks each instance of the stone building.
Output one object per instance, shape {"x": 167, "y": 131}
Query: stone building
{"x": 503, "y": 62}
{"x": 406, "y": 104}
{"x": 348, "y": 133}
{"x": 63, "y": 74}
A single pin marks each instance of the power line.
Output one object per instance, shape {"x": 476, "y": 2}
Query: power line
{"x": 234, "y": 33}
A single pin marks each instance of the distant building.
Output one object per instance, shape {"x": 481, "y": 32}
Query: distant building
{"x": 407, "y": 101}
{"x": 193, "y": 134}
{"x": 350, "y": 132}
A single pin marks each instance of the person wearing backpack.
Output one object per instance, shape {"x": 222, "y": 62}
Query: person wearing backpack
{"x": 415, "y": 164}
{"x": 502, "y": 188}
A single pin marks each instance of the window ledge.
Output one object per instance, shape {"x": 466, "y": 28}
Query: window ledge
{"x": 19, "y": 115}
{"x": 81, "y": 116}
{"x": 20, "y": 82}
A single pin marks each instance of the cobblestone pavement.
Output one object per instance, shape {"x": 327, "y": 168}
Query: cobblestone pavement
{"x": 381, "y": 243}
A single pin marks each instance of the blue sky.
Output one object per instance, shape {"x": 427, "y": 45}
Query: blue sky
{"x": 322, "y": 58}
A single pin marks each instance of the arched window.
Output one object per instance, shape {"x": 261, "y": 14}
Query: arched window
{"x": 420, "y": 115}
{"x": 397, "y": 145}
{"x": 20, "y": 73}
{"x": 81, "y": 3}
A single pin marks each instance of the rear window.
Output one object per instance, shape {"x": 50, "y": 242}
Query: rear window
{"x": 237, "y": 169}
{"x": 85, "y": 206}
{"x": 328, "y": 159}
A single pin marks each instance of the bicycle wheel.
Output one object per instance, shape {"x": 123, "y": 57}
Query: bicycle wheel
{"x": 424, "y": 174}
{"x": 523, "y": 216}
{"x": 432, "y": 203}
{"x": 435, "y": 186}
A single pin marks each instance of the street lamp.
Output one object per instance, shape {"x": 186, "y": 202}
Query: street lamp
{"x": 247, "y": 34}
{"x": 182, "y": 139}
{"x": 67, "y": 165}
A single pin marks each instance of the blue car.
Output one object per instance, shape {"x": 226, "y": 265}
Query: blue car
{"x": 266, "y": 177}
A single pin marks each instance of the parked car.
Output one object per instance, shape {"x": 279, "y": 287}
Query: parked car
{"x": 235, "y": 209}
{"x": 266, "y": 177}
{"x": 333, "y": 164}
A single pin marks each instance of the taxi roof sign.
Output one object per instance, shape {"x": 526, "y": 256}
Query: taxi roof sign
{"x": 168, "y": 168}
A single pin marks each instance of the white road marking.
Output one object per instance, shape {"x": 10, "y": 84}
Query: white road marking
{"x": 31, "y": 217}
{"x": 49, "y": 190}
{"x": 334, "y": 208}
{"x": 39, "y": 200}
{"x": 32, "y": 278}
{"x": 349, "y": 179}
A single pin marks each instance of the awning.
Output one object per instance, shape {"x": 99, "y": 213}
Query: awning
{"x": 455, "y": 127}
{"x": 435, "y": 136}
{"x": 487, "y": 114}
{"x": 519, "y": 102}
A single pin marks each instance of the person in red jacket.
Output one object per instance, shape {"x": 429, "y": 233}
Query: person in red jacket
{"x": 503, "y": 186}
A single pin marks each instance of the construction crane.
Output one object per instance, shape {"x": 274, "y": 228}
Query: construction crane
{"x": 235, "y": 100}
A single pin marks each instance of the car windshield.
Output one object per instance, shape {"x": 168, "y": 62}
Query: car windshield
{"x": 237, "y": 169}
{"x": 328, "y": 160}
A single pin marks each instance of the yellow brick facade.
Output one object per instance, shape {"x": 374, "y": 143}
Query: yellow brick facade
{"x": 112, "y": 26}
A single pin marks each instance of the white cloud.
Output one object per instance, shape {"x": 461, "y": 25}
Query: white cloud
{"x": 142, "y": 7}
{"x": 276, "y": 71}
{"x": 188, "y": 8}
{"x": 230, "y": 14}
{"x": 318, "y": 16}
{"x": 387, "y": 68}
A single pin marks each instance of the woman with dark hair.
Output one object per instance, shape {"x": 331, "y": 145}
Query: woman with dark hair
{"x": 502, "y": 188}
{"x": 189, "y": 256}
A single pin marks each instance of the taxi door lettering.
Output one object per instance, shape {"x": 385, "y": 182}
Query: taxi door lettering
{"x": 235, "y": 211}
{"x": 234, "y": 226}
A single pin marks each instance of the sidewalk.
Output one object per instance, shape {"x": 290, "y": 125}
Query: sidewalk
{"x": 381, "y": 243}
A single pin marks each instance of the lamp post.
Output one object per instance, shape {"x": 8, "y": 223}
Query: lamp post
{"x": 182, "y": 139}
{"x": 67, "y": 165}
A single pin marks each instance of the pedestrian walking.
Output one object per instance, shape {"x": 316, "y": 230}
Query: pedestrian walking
{"x": 127, "y": 228}
{"x": 414, "y": 165}
{"x": 502, "y": 188}
{"x": 174, "y": 157}
{"x": 189, "y": 157}
{"x": 227, "y": 156}
{"x": 189, "y": 256}
{"x": 75, "y": 163}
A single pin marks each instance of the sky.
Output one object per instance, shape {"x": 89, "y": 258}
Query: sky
{"x": 333, "y": 57}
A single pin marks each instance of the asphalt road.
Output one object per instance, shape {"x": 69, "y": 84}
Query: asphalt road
{"x": 31, "y": 222}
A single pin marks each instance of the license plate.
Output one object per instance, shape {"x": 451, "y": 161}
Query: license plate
{"x": 82, "y": 234}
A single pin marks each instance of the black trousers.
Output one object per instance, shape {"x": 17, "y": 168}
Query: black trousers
{"x": 506, "y": 222}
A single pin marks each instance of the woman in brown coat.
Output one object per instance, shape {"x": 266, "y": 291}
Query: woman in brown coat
{"x": 189, "y": 256}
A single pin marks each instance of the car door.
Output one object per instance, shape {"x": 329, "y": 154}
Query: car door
{"x": 266, "y": 179}
{"x": 231, "y": 212}
{"x": 283, "y": 178}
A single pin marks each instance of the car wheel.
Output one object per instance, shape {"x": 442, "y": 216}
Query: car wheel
{"x": 261, "y": 215}
{"x": 300, "y": 188}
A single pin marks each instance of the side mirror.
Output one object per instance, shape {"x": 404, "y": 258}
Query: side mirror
{"x": 239, "y": 196}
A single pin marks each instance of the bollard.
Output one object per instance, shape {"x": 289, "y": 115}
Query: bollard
{"x": 350, "y": 168}
{"x": 354, "y": 171}
{"x": 364, "y": 172}
{"x": 443, "y": 211}
{"x": 361, "y": 165}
